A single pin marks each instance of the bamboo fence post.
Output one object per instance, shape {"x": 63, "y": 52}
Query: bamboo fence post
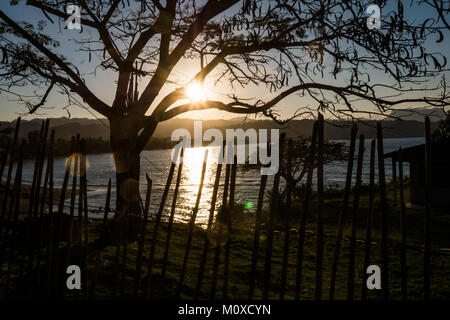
{"x": 256, "y": 234}
{"x": 85, "y": 218}
{"x": 172, "y": 214}
{"x": 427, "y": 231}
{"x": 72, "y": 200}
{"x": 42, "y": 206}
{"x": 284, "y": 269}
{"x": 9, "y": 174}
{"x": 141, "y": 239}
{"x": 403, "y": 268}
{"x": 6, "y": 194}
{"x": 5, "y": 159}
{"x": 270, "y": 230}
{"x": 351, "y": 262}
{"x": 17, "y": 189}
{"x": 97, "y": 256}
{"x": 305, "y": 211}
{"x": 59, "y": 216}
{"x": 155, "y": 231}
{"x": 384, "y": 216}
{"x": 394, "y": 180}
{"x": 204, "y": 257}
{"x": 320, "y": 237}
{"x": 28, "y": 237}
{"x": 219, "y": 231}
{"x": 41, "y": 168}
{"x": 368, "y": 240}
{"x": 343, "y": 210}
{"x": 229, "y": 218}
{"x": 191, "y": 225}
{"x": 50, "y": 239}
{"x": 36, "y": 207}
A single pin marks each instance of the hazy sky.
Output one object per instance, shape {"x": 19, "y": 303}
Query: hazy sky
{"x": 103, "y": 83}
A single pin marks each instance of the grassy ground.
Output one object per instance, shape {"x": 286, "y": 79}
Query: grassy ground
{"x": 241, "y": 254}
{"x": 241, "y": 242}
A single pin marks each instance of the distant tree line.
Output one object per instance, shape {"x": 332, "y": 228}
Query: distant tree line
{"x": 443, "y": 131}
{"x": 62, "y": 147}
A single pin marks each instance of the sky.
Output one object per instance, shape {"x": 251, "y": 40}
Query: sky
{"x": 103, "y": 83}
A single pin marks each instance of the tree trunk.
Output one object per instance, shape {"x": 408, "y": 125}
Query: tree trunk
{"x": 127, "y": 183}
{"x": 128, "y": 215}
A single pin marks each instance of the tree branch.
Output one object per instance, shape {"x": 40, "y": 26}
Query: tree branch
{"x": 44, "y": 98}
{"x": 105, "y": 36}
{"x": 82, "y": 89}
{"x": 210, "y": 10}
{"x": 58, "y": 13}
{"x": 246, "y": 108}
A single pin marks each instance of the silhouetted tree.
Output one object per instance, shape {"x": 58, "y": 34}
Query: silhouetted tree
{"x": 333, "y": 151}
{"x": 443, "y": 132}
{"x": 320, "y": 50}
{"x": 442, "y": 9}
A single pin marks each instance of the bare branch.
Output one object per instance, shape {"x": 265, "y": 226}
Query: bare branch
{"x": 44, "y": 98}
{"x": 84, "y": 92}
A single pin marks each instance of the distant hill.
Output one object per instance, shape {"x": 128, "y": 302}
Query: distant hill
{"x": 66, "y": 128}
{"x": 418, "y": 114}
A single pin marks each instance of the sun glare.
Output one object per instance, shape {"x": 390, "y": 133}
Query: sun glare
{"x": 196, "y": 92}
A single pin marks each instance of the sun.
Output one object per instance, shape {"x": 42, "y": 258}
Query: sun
{"x": 196, "y": 92}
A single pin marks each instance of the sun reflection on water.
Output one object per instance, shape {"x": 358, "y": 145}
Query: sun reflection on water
{"x": 192, "y": 171}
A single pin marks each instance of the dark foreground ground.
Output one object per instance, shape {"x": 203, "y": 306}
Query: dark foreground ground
{"x": 111, "y": 283}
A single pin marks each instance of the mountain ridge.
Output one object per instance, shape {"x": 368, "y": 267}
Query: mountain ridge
{"x": 65, "y": 128}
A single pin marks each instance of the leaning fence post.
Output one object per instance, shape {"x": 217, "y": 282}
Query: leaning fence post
{"x": 30, "y": 220}
{"x": 50, "y": 214}
{"x": 35, "y": 174}
{"x": 427, "y": 231}
{"x": 155, "y": 230}
{"x": 10, "y": 169}
{"x": 59, "y": 217}
{"x": 85, "y": 218}
{"x": 284, "y": 269}
{"x": 210, "y": 222}
{"x": 18, "y": 189}
{"x": 40, "y": 213}
{"x": 72, "y": 200}
{"x": 97, "y": 256}
{"x": 5, "y": 159}
{"x": 5, "y": 197}
{"x": 256, "y": 233}
{"x": 191, "y": 225}
{"x": 42, "y": 206}
{"x": 273, "y": 208}
{"x": 343, "y": 210}
{"x": 403, "y": 268}
{"x": 320, "y": 238}
{"x": 228, "y": 213}
{"x": 305, "y": 211}
{"x": 394, "y": 180}
{"x": 141, "y": 240}
{"x": 172, "y": 214}
{"x": 351, "y": 262}
{"x": 41, "y": 168}
{"x": 384, "y": 216}
{"x": 368, "y": 240}
{"x": 219, "y": 232}
{"x": 36, "y": 203}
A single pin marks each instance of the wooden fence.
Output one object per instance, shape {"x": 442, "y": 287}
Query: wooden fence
{"x": 37, "y": 246}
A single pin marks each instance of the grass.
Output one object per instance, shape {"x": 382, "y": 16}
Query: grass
{"x": 241, "y": 242}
